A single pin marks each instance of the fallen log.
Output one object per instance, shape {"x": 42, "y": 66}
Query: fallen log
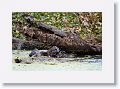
{"x": 47, "y": 28}
{"x": 18, "y": 44}
{"x": 43, "y": 36}
{"x": 69, "y": 44}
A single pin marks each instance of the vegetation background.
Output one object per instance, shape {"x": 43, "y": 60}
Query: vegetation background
{"x": 88, "y": 24}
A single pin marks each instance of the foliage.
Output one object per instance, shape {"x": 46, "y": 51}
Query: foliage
{"x": 88, "y": 24}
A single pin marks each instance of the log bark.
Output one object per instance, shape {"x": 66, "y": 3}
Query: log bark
{"x": 18, "y": 44}
{"x": 43, "y": 36}
{"x": 47, "y": 28}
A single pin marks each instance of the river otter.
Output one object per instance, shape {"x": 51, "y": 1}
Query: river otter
{"x": 37, "y": 53}
{"x": 53, "y": 52}
{"x": 34, "y": 52}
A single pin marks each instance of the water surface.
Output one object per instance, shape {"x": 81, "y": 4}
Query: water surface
{"x": 85, "y": 64}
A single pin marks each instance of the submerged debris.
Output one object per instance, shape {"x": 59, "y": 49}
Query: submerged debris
{"x": 17, "y": 60}
{"x": 91, "y": 60}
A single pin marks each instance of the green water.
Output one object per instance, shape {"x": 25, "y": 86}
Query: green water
{"x": 53, "y": 65}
